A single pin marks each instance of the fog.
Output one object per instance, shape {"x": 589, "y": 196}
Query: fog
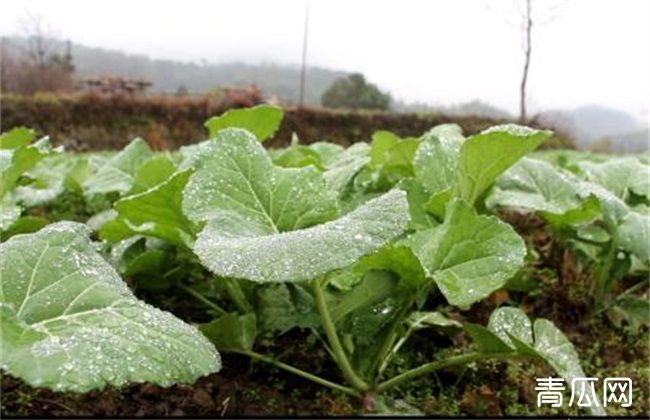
{"x": 439, "y": 52}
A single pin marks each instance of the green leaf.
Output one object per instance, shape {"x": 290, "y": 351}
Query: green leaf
{"x": 469, "y": 256}
{"x": 542, "y": 340}
{"x": 392, "y": 156}
{"x": 620, "y": 176}
{"x": 240, "y": 251}
{"x": 634, "y": 310}
{"x": 262, "y": 120}
{"x": 398, "y": 258}
{"x": 158, "y": 211}
{"x": 9, "y": 214}
{"x": 536, "y": 185}
{"x": 149, "y": 261}
{"x": 153, "y": 172}
{"x": 16, "y": 138}
{"x": 232, "y": 332}
{"x": 345, "y": 166}
{"x": 284, "y": 306}
{"x": 71, "y": 324}
{"x": 26, "y": 224}
{"x": 375, "y": 287}
{"x": 417, "y": 198}
{"x": 49, "y": 176}
{"x": 237, "y": 184}
{"x": 419, "y": 320}
{"x": 487, "y": 155}
{"x": 511, "y": 322}
{"x": 485, "y": 339}
{"x": 634, "y": 234}
{"x": 14, "y": 163}
{"x": 116, "y": 174}
{"x": 436, "y": 161}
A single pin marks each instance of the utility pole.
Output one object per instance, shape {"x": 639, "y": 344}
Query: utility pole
{"x": 303, "y": 69}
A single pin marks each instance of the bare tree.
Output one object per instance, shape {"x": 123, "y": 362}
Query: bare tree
{"x": 540, "y": 18}
{"x": 546, "y": 13}
{"x": 42, "y": 42}
{"x": 42, "y": 63}
{"x": 528, "y": 47}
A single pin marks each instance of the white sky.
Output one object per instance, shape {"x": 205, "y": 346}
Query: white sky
{"x": 436, "y": 51}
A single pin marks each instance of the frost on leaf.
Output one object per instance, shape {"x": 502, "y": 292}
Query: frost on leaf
{"x": 307, "y": 253}
{"x": 70, "y": 323}
{"x": 469, "y": 256}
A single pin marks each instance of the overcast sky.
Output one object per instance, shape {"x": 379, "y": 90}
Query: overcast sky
{"x": 440, "y": 51}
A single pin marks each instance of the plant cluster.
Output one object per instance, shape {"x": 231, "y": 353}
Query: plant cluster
{"x": 362, "y": 246}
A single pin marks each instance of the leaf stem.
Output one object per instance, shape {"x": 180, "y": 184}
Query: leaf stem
{"x": 330, "y": 330}
{"x": 203, "y": 299}
{"x": 299, "y": 372}
{"x": 385, "y": 353}
{"x": 237, "y": 295}
{"x": 439, "y": 364}
{"x": 603, "y": 280}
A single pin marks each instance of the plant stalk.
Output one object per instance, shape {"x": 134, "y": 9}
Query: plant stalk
{"x": 337, "y": 348}
{"x": 237, "y": 295}
{"x": 203, "y": 299}
{"x": 299, "y": 372}
{"x": 439, "y": 364}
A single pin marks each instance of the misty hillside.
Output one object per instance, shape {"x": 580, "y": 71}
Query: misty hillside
{"x": 593, "y": 123}
{"x": 170, "y": 75}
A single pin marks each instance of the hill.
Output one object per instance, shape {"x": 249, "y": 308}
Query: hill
{"x": 171, "y": 75}
{"x": 593, "y": 123}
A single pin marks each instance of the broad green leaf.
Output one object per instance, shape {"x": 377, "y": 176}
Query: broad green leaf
{"x": 262, "y": 120}
{"x": 634, "y": 234}
{"x": 509, "y": 322}
{"x": 17, "y": 137}
{"x": 469, "y": 256}
{"x": 158, "y": 211}
{"x": 399, "y": 259}
{"x": 153, "y": 172}
{"x": 116, "y": 174}
{"x": 436, "y": 160}
{"x": 257, "y": 253}
{"x": 298, "y": 156}
{"x": 620, "y": 176}
{"x": 283, "y": 306}
{"x": 487, "y": 155}
{"x": 327, "y": 152}
{"x": 14, "y": 163}
{"x": 392, "y": 156}
{"x": 71, "y": 324}
{"x": 232, "y": 332}
{"x": 237, "y": 185}
{"x": 343, "y": 168}
{"x": 417, "y": 198}
{"x": 77, "y": 175}
{"x": 536, "y": 185}
{"x": 49, "y": 176}
{"x": 612, "y": 208}
{"x": 541, "y": 339}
